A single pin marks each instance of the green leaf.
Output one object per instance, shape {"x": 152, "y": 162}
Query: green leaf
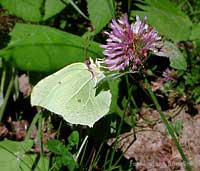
{"x": 70, "y": 92}
{"x": 45, "y": 49}
{"x": 26, "y": 9}
{"x": 168, "y": 19}
{"x": 114, "y": 88}
{"x": 196, "y": 94}
{"x": 63, "y": 156}
{"x": 31, "y": 160}
{"x": 53, "y": 7}
{"x": 14, "y": 146}
{"x": 13, "y": 157}
{"x": 31, "y": 10}
{"x": 195, "y": 35}
{"x": 56, "y": 146}
{"x": 100, "y": 12}
{"x": 67, "y": 159}
{"x": 176, "y": 58}
{"x": 73, "y": 139}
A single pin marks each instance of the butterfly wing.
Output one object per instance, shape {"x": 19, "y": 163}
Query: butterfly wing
{"x": 70, "y": 93}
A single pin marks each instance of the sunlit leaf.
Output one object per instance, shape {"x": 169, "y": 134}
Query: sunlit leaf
{"x": 195, "y": 32}
{"x": 31, "y": 10}
{"x": 168, "y": 19}
{"x": 53, "y": 7}
{"x": 13, "y": 157}
{"x": 26, "y": 9}
{"x": 176, "y": 58}
{"x": 100, "y": 12}
{"x": 45, "y": 49}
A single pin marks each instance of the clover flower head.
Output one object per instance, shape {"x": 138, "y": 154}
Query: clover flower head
{"x": 169, "y": 75}
{"x": 118, "y": 48}
{"x": 127, "y": 45}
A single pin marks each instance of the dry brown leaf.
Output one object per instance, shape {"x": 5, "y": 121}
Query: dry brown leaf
{"x": 24, "y": 85}
{"x": 153, "y": 150}
{"x": 3, "y": 130}
{"x": 18, "y": 129}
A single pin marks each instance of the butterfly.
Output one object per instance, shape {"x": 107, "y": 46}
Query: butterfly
{"x": 71, "y": 93}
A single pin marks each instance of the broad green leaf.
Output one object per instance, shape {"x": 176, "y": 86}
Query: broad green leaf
{"x": 70, "y": 92}
{"x": 176, "y": 58}
{"x": 32, "y": 10}
{"x": 13, "y": 157}
{"x": 45, "y": 49}
{"x": 195, "y": 34}
{"x": 53, "y": 7}
{"x": 168, "y": 19}
{"x": 26, "y": 9}
{"x": 29, "y": 161}
{"x": 14, "y": 146}
{"x": 100, "y": 12}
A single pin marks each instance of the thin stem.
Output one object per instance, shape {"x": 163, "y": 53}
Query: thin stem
{"x": 116, "y": 141}
{"x": 28, "y": 135}
{"x": 106, "y": 160}
{"x": 92, "y": 159}
{"x": 122, "y": 155}
{"x": 112, "y": 7}
{"x": 3, "y": 78}
{"x": 40, "y": 141}
{"x": 168, "y": 126}
{"x": 194, "y": 13}
{"x": 30, "y": 129}
{"x": 75, "y": 7}
{"x": 129, "y": 6}
{"x": 8, "y": 92}
{"x": 83, "y": 154}
{"x": 121, "y": 124}
{"x": 58, "y": 135}
{"x": 97, "y": 155}
{"x": 80, "y": 149}
{"x": 190, "y": 7}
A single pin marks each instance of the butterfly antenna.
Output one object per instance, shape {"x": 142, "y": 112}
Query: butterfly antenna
{"x": 86, "y": 46}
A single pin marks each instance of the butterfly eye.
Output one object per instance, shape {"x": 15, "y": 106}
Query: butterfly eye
{"x": 87, "y": 62}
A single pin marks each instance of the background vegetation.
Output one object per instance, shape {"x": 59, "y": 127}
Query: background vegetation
{"x": 42, "y": 36}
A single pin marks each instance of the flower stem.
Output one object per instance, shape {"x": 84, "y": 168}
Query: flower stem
{"x": 8, "y": 92}
{"x": 167, "y": 124}
{"x": 40, "y": 136}
{"x": 129, "y": 88}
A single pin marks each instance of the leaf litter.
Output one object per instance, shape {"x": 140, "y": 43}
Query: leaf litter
{"x": 152, "y": 147}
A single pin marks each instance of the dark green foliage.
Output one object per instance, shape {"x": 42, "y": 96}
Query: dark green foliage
{"x": 63, "y": 158}
{"x": 167, "y": 18}
{"x": 192, "y": 80}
